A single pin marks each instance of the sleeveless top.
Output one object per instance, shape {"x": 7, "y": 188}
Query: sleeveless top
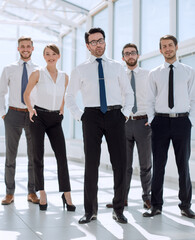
{"x": 50, "y": 94}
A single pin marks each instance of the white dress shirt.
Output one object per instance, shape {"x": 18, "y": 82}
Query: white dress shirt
{"x": 85, "y": 78}
{"x": 11, "y": 79}
{"x": 141, "y": 78}
{"x": 50, "y": 94}
{"x": 184, "y": 90}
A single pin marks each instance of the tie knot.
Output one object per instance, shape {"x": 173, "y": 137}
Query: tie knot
{"x": 171, "y": 66}
{"x": 98, "y": 60}
{"x": 25, "y": 63}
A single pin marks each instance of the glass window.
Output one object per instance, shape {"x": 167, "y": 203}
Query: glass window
{"x": 7, "y": 30}
{"x": 154, "y": 23}
{"x": 66, "y": 60}
{"x": 152, "y": 62}
{"x": 66, "y": 57}
{"x": 81, "y": 50}
{"x": 8, "y": 56}
{"x": 190, "y": 60}
{"x": 37, "y": 34}
{"x": 8, "y": 53}
{"x": 88, "y": 4}
{"x": 101, "y": 20}
{"x": 186, "y": 19}
{"x": 122, "y": 26}
{"x": 37, "y": 55}
{"x": 81, "y": 54}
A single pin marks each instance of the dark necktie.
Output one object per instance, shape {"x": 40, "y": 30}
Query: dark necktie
{"x": 170, "y": 97}
{"x": 24, "y": 82}
{"x": 103, "y": 103}
{"x": 134, "y": 108}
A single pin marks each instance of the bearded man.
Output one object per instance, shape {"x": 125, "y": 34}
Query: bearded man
{"x": 15, "y": 78}
{"x": 137, "y": 130}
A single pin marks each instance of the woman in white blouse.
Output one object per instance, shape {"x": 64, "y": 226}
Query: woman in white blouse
{"x": 46, "y": 117}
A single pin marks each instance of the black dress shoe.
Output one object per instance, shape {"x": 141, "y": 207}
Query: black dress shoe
{"x": 153, "y": 212}
{"x": 188, "y": 213}
{"x": 88, "y": 217}
{"x": 110, "y": 205}
{"x": 119, "y": 217}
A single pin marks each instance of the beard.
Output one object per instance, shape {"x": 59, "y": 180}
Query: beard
{"x": 25, "y": 56}
{"x": 131, "y": 63}
{"x": 170, "y": 56}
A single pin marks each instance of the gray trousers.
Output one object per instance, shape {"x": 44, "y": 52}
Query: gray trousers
{"x": 137, "y": 132}
{"x": 14, "y": 122}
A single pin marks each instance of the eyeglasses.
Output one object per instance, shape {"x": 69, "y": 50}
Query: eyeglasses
{"x": 95, "y": 42}
{"x": 127, "y": 54}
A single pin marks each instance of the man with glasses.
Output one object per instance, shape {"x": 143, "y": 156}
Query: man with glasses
{"x": 137, "y": 130}
{"x": 103, "y": 84}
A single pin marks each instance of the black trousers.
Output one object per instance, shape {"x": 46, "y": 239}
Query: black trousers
{"x": 165, "y": 129}
{"x": 112, "y": 126}
{"x": 49, "y": 123}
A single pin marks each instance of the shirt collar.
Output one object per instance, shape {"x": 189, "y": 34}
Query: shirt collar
{"x": 21, "y": 62}
{"x": 175, "y": 64}
{"x": 93, "y": 58}
{"x": 135, "y": 70}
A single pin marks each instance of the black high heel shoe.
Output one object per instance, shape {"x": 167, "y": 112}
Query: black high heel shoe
{"x": 43, "y": 207}
{"x": 70, "y": 208}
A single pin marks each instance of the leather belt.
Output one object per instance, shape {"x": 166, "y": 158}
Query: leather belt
{"x": 46, "y": 110}
{"x": 172, "y": 115}
{"x": 109, "y": 108}
{"x": 138, "y": 117}
{"x": 19, "y": 109}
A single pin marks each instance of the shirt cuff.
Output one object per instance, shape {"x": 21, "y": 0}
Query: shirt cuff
{"x": 2, "y": 113}
{"x": 125, "y": 112}
{"x": 78, "y": 115}
{"x": 192, "y": 120}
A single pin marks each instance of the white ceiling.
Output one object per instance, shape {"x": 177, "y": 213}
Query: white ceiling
{"x": 54, "y": 16}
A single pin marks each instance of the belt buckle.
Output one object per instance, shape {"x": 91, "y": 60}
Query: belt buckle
{"x": 133, "y": 118}
{"x": 173, "y": 115}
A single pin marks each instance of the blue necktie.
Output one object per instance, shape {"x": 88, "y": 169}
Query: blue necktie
{"x": 134, "y": 108}
{"x": 103, "y": 103}
{"x": 24, "y": 82}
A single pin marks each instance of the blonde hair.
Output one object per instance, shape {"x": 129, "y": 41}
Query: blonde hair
{"x": 24, "y": 38}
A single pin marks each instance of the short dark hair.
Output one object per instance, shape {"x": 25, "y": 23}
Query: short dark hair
{"x": 24, "y": 38}
{"x": 91, "y": 31}
{"x": 168, "y": 37}
{"x": 53, "y": 47}
{"x": 132, "y": 45}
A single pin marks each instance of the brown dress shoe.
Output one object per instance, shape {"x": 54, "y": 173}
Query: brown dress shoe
{"x": 110, "y": 205}
{"x": 9, "y": 198}
{"x": 32, "y": 197}
{"x": 147, "y": 204}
